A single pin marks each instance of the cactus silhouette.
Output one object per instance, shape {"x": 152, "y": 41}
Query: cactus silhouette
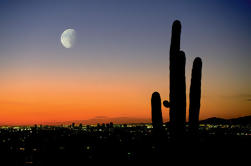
{"x": 195, "y": 94}
{"x": 156, "y": 111}
{"x": 177, "y": 82}
{"x": 177, "y": 103}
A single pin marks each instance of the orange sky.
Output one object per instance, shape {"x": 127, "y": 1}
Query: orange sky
{"x": 29, "y": 99}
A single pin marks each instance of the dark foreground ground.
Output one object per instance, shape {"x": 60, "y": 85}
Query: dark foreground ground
{"x": 74, "y": 146}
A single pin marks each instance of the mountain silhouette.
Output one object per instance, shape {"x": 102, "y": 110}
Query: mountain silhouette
{"x": 103, "y": 119}
{"x": 246, "y": 120}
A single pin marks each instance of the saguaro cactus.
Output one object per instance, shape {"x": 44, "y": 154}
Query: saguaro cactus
{"x": 195, "y": 95}
{"x": 177, "y": 82}
{"x": 157, "y": 121}
{"x": 177, "y": 102}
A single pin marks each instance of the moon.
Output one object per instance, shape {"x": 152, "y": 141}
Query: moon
{"x": 68, "y": 38}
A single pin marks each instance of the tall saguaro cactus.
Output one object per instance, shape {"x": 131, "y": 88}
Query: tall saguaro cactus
{"x": 177, "y": 103}
{"x": 177, "y": 82}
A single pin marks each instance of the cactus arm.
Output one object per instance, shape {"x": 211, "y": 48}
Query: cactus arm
{"x": 195, "y": 95}
{"x": 157, "y": 120}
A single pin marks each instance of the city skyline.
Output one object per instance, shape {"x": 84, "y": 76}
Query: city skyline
{"x": 120, "y": 58}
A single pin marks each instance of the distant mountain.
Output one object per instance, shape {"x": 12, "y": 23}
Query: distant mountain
{"x": 242, "y": 120}
{"x": 214, "y": 121}
{"x": 104, "y": 119}
{"x": 132, "y": 120}
{"x": 115, "y": 120}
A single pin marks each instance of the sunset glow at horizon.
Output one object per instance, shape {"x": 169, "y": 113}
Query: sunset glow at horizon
{"x": 120, "y": 58}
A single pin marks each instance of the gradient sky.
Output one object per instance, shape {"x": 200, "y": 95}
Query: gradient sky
{"x": 120, "y": 58}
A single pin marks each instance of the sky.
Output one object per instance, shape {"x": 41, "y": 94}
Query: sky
{"x": 120, "y": 57}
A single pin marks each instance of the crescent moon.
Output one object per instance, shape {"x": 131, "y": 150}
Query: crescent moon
{"x": 68, "y": 38}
